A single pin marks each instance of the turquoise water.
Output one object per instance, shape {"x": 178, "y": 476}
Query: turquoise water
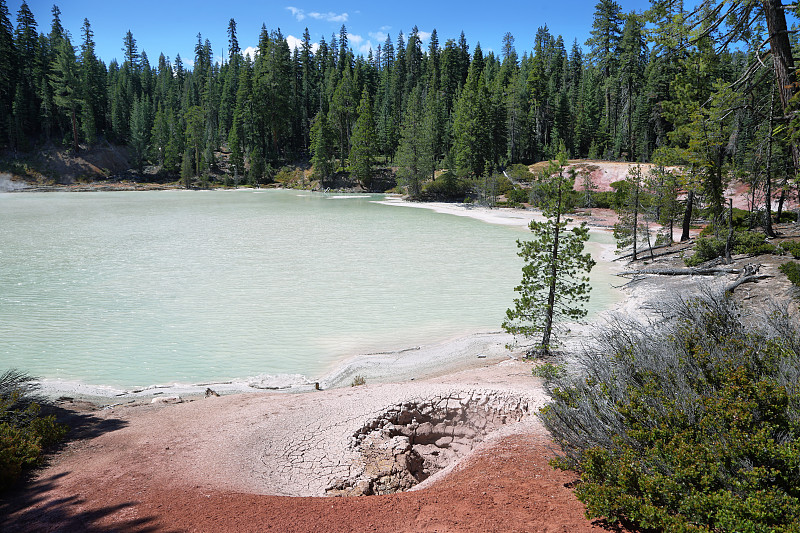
{"x": 137, "y": 288}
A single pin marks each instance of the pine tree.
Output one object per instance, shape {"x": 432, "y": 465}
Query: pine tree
{"x": 414, "y": 152}
{"x": 308, "y": 88}
{"x": 322, "y": 148}
{"x": 605, "y": 37}
{"x": 8, "y": 75}
{"x": 630, "y": 230}
{"x": 665, "y": 187}
{"x": 555, "y": 281}
{"x": 64, "y": 81}
{"x": 230, "y": 75}
{"x": 92, "y": 83}
{"x": 362, "y": 150}
{"x": 26, "y": 100}
{"x": 632, "y": 53}
{"x": 342, "y": 112}
{"x": 472, "y": 124}
{"x": 195, "y": 140}
{"x": 272, "y": 92}
{"x": 141, "y": 127}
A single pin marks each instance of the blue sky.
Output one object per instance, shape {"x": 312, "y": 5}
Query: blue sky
{"x": 171, "y": 26}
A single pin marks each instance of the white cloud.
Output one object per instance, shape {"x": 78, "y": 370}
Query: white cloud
{"x": 329, "y": 16}
{"x": 251, "y": 51}
{"x": 358, "y": 44}
{"x": 297, "y": 13}
{"x": 379, "y": 36}
{"x": 295, "y": 43}
{"x": 424, "y": 35}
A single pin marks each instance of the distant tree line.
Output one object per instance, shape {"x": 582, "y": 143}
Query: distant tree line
{"x": 712, "y": 88}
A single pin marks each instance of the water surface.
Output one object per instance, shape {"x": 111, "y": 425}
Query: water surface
{"x": 137, "y": 288}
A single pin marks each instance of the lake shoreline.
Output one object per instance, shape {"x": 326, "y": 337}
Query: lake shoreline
{"x": 395, "y": 363}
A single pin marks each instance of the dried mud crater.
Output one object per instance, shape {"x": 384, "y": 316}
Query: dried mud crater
{"x": 413, "y": 440}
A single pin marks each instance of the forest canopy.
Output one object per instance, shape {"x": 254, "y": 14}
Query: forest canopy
{"x": 712, "y": 87}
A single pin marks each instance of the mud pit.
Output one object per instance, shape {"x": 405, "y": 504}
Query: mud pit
{"x": 409, "y": 442}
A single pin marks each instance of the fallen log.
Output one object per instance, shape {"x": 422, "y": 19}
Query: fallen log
{"x": 749, "y": 273}
{"x": 689, "y": 271}
{"x": 674, "y": 249}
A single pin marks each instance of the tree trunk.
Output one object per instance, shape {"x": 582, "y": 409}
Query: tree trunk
{"x": 768, "y": 193}
{"x": 671, "y": 230}
{"x": 635, "y": 218}
{"x": 782, "y": 62}
{"x": 687, "y": 217}
{"x": 551, "y": 296}
{"x": 74, "y": 131}
{"x": 729, "y": 240}
{"x": 781, "y": 199}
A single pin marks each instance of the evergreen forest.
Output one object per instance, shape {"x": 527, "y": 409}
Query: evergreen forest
{"x": 710, "y": 87}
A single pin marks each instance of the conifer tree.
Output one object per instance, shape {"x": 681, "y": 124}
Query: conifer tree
{"x": 8, "y": 75}
{"x": 322, "y": 141}
{"x": 472, "y": 123}
{"x": 342, "y": 112}
{"x": 555, "y": 281}
{"x": 141, "y": 127}
{"x": 64, "y": 81}
{"x": 414, "y": 152}
{"x": 92, "y": 84}
{"x": 630, "y": 231}
{"x": 362, "y": 150}
{"x": 194, "y": 139}
{"x": 605, "y": 37}
{"x": 26, "y": 101}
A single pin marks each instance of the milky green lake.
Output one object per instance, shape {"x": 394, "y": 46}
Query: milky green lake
{"x": 137, "y": 288}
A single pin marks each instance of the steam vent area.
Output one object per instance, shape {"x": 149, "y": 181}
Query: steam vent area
{"x": 410, "y": 442}
{"x": 382, "y": 439}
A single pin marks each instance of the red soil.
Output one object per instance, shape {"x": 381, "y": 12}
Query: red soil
{"x": 509, "y": 487}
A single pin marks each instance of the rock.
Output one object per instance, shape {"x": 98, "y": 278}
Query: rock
{"x": 167, "y": 399}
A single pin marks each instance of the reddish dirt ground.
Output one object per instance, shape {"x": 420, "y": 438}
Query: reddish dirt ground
{"x": 509, "y": 487}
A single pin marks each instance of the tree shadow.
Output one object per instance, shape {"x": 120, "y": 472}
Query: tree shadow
{"x": 83, "y": 424}
{"x": 26, "y": 507}
{"x": 32, "y": 511}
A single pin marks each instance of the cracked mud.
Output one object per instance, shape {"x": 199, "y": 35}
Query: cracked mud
{"x": 411, "y": 441}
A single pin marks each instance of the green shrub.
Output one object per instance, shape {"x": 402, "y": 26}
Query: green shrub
{"x": 447, "y": 186}
{"x": 548, "y": 371}
{"x": 517, "y": 196}
{"x": 744, "y": 242}
{"x": 740, "y": 221}
{"x": 690, "y": 425}
{"x": 792, "y": 248}
{"x": 792, "y": 271}
{"x": 604, "y": 200}
{"x": 520, "y": 173}
{"x": 752, "y": 242}
{"x": 705, "y": 249}
{"x": 504, "y": 185}
{"x": 621, "y": 193}
{"x": 24, "y": 432}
